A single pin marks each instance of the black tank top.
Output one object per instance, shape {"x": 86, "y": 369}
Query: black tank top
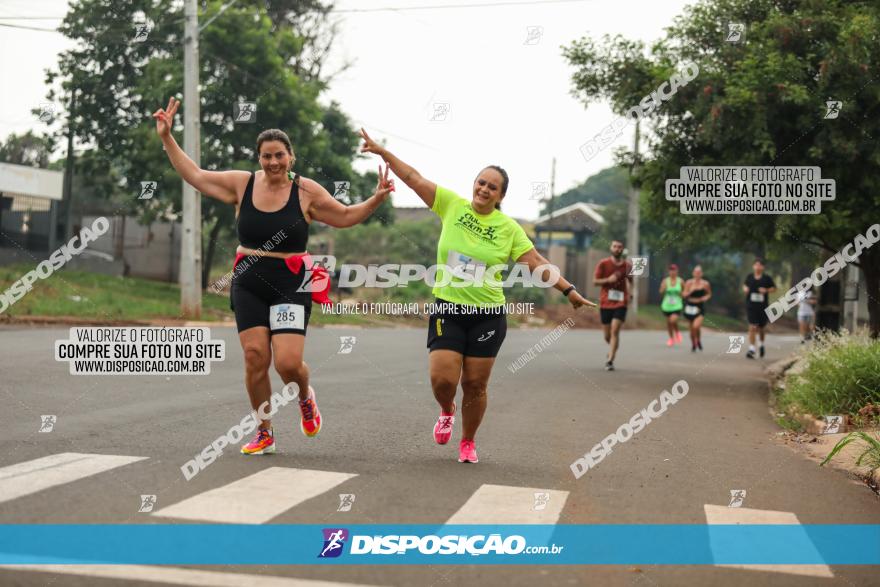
{"x": 697, "y": 293}
{"x": 284, "y": 231}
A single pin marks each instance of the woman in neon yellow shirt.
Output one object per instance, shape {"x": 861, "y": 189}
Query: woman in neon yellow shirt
{"x": 466, "y": 330}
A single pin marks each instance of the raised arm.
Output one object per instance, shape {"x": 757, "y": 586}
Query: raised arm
{"x": 325, "y": 208}
{"x": 424, "y": 188}
{"x": 220, "y": 185}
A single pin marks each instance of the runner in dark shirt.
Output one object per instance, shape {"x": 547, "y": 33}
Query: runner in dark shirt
{"x": 757, "y": 287}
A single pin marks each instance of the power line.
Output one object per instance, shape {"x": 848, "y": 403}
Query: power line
{"x": 378, "y": 9}
{"x": 446, "y": 6}
{"x": 30, "y": 28}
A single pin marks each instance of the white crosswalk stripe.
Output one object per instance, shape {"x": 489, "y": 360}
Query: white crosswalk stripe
{"x": 29, "y": 477}
{"x": 719, "y": 514}
{"x": 258, "y": 498}
{"x": 503, "y": 504}
{"x": 177, "y": 576}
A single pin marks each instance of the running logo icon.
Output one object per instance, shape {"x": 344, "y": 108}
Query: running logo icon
{"x": 737, "y": 496}
{"x": 533, "y": 35}
{"x": 735, "y": 32}
{"x": 736, "y": 343}
{"x": 148, "y": 190}
{"x": 147, "y": 503}
{"x": 346, "y": 344}
{"x": 540, "y": 190}
{"x": 334, "y": 541}
{"x": 346, "y": 500}
{"x": 832, "y": 424}
{"x": 441, "y": 110}
{"x": 47, "y": 112}
{"x": 340, "y": 189}
{"x": 541, "y": 500}
{"x": 317, "y": 277}
{"x": 832, "y": 109}
{"x": 141, "y": 32}
{"x": 244, "y": 112}
{"x": 639, "y": 264}
{"x": 47, "y": 423}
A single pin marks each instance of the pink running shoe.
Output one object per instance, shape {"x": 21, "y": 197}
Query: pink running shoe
{"x": 670, "y": 342}
{"x": 467, "y": 452}
{"x": 262, "y": 444}
{"x": 443, "y": 427}
{"x": 678, "y": 336}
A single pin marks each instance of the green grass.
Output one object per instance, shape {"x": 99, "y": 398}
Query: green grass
{"x": 870, "y": 456}
{"x": 102, "y": 297}
{"x": 789, "y": 423}
{"x": 841, "y": 376}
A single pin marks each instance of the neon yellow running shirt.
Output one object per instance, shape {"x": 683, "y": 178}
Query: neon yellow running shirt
{"x": 474, "y": 244}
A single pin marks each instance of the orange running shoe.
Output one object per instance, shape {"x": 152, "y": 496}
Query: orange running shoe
{"x": 310, "y": 424}
{"x": 262, "y": 444}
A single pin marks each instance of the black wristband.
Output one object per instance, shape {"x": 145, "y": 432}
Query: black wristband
{"x": 568, "y": 290}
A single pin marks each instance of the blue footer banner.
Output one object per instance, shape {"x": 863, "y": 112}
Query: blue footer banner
{"x": 611, "y": 544}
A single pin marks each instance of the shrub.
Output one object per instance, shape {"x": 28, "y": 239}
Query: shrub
{"x": 841, "y": 375}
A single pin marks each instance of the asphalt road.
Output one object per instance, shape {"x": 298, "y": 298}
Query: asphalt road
{"x": 378, "y": 413}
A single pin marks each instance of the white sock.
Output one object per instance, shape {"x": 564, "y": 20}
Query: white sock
{"x": 751, "y": 348}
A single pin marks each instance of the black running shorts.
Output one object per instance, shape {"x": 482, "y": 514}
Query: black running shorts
{"x": 469, "y": 330}
{"x": 756, "y": 315}
{"x": 609, "y": 314}
{"x": 264, "y": 293}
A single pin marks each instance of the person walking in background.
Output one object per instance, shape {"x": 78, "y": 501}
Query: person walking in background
{"x": 806, "y": 314}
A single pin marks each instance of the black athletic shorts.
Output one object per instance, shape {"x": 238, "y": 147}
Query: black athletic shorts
{"x": 671, "y": 312}
{"x": 609, "y": 314}
{"x": 469, "y": 330}
{"x": 693, "y": 317}
{"x": 756, "y": 315}
{"x": 264, "y": 294}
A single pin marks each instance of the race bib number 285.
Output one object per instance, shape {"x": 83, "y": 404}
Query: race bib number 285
{"x": 283, "y": 316}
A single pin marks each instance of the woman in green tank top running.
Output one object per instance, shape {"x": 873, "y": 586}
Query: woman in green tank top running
{"x": 468, "y": 324}
{"x": 672, "y": 303}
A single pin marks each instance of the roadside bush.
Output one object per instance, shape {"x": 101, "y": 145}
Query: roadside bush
{"x": 841, "y": 375}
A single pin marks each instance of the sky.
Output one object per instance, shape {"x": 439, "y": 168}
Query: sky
{"x": 451, "y": 88}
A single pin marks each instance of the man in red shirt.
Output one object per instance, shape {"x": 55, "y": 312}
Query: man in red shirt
{"x": 613, "y": 274}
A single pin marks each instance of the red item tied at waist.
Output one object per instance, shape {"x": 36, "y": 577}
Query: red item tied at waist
{"x": 319, "y": 278}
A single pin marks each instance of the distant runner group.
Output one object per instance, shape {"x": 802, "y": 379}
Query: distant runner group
{"x": 614, "y": 276}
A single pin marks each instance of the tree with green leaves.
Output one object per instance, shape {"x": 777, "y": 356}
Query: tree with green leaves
{"x": 758, "y": 101}
{"x": 26, "y": 149}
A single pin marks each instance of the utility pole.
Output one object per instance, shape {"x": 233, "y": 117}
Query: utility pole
{"x": 552, "y": 198}
{"x": 191, "y": 236}
{"x": 67, "y": 186}
{"x": 850, "y": 297}
{"x": 632, "y": 223}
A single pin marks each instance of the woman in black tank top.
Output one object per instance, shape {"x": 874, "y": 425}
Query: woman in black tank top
{"x": 273, "y": 280}
{"x": 697, "y": 292}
